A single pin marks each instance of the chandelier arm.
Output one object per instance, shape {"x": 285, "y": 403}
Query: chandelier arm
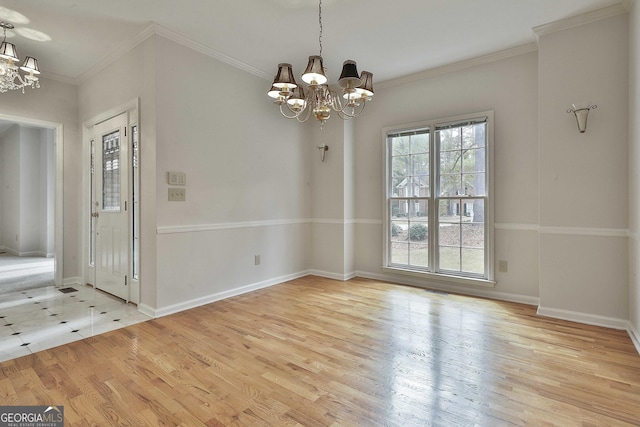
{"x": 341, "y": 109}
{"x": 306, "y": 108}
{"x": 343, "y": 114}
{"x": 282, "y": 111}
{"x": 297, "y": 115}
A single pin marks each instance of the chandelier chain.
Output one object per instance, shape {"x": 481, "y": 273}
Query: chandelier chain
{"x": 320, "y": 22}
{"x": 318, "y": 99}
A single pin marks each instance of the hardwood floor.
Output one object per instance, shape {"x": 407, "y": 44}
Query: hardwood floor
{"x": 315, "y": 351}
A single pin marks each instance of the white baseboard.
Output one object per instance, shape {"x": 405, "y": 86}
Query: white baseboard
{"x": 147, "y": 310}
{"x": 330, "y": 275}
{"x": 28, "y": 254}
{"x": 68, "y": 281}
{"x": 479, "y": 292}
{"x": 587, "y": 318}
{"x": 634, "y": 335}
{"x": 197, "y": 302}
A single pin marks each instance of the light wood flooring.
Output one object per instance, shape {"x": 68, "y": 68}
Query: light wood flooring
{"x": 318, "y": 352}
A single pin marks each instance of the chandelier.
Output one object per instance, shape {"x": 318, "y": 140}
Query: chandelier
{"x": 10, "y": 76}
{"x": 319, "y": 99}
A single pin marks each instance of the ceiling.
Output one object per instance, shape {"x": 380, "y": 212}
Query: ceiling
{"x": 389, "y": 38}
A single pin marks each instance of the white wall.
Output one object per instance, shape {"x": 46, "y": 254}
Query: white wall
{"x": 509, "y": 87}
{"x": 10, "y": 202}
{"x": 583, "y": 177}
{"x": 27, "y": 160}
{"x": 30, "y": 190}
{"x": 247, "y": 189}
{"x": 56, "y": 102}
{"x": 634, "y": 173}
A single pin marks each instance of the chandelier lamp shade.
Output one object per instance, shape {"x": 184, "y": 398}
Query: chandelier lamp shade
{"x": 298, "y": 102}
{"x": 12, "y": 76}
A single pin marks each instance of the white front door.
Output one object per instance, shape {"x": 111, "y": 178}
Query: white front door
{"x": 111, "y": 171}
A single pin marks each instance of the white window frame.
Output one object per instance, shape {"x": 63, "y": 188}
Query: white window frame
{"x": 449, "y": 278}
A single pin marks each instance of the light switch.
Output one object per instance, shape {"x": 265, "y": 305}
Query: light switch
{"x": 177, "y": 178}
{"x": 177, "y": 194}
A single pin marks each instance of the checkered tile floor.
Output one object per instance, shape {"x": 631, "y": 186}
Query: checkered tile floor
{"x": 38, "y": 319}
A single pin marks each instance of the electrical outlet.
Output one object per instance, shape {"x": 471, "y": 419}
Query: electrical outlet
{"x": 177, "y": 194}
{"x": 502, "y": 266}
{"x": 257, "y": 259}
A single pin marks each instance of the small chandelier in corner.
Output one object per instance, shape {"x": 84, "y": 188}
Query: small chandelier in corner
{"x": 10, "y": 76}
{"x": 297, "y": 104}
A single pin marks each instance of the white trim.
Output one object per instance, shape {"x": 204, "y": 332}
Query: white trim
{"x": 72, "y": 281}
{"x": 572, "y": 231}
{"x": 439, "y": 277}
{"x": 208, "y": 299}
{"x": 9, "y": 251}
{"x": 459, "y": 290}
{"x": 205, "y": 50}
{"x": 578, "y": 20}
{"x": 516, "y": 227}
{"x": 334, "y": 276}
{"x": 368, "y": 221}
{"x": 584, "y": 231}
{"x": 33, "y": 254}
{"x": 328, "y": 221}
{"x": 461, "y": 65}
{"x": 634, "y": 335}
{"x": 132, "y": 104}
{"x": 155, "y": 29}
{"x": 147, "y": 310}
{"x": 196, "y": 228}
{"x": 587, "y": 318}
{"x": 119, "y": 51}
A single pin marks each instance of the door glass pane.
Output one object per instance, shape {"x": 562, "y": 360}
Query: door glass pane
{"x": 111, "y": 171}
{"x": 92, "y": 208}
{"x": 135, "y": 197}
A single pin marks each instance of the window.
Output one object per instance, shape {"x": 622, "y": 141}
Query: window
{"x": 438, "y": 198}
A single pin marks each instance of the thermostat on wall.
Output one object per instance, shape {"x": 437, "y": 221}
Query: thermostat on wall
{"x": 177, "y": 178}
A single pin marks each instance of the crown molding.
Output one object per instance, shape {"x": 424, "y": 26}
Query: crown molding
{"x": 58, "y": 78}
{"x": 155, "y": 29}
{"x": 461, "y": 65}
{"x": 578, "y": 20}
{"x": 116, "y": 53}
{"x": 199, "y": 47}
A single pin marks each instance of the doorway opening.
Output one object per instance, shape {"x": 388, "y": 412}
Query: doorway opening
{"x": 31, "y": 222}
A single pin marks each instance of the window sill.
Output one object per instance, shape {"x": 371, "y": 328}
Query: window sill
{"x": 442, "y": 278}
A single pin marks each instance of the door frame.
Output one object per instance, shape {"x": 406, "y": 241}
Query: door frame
{"x": 58, "y": 211}
{"x": 132, "y": 109}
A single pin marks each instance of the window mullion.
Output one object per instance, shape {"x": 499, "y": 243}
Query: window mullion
{"x": 434, "y": 185}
